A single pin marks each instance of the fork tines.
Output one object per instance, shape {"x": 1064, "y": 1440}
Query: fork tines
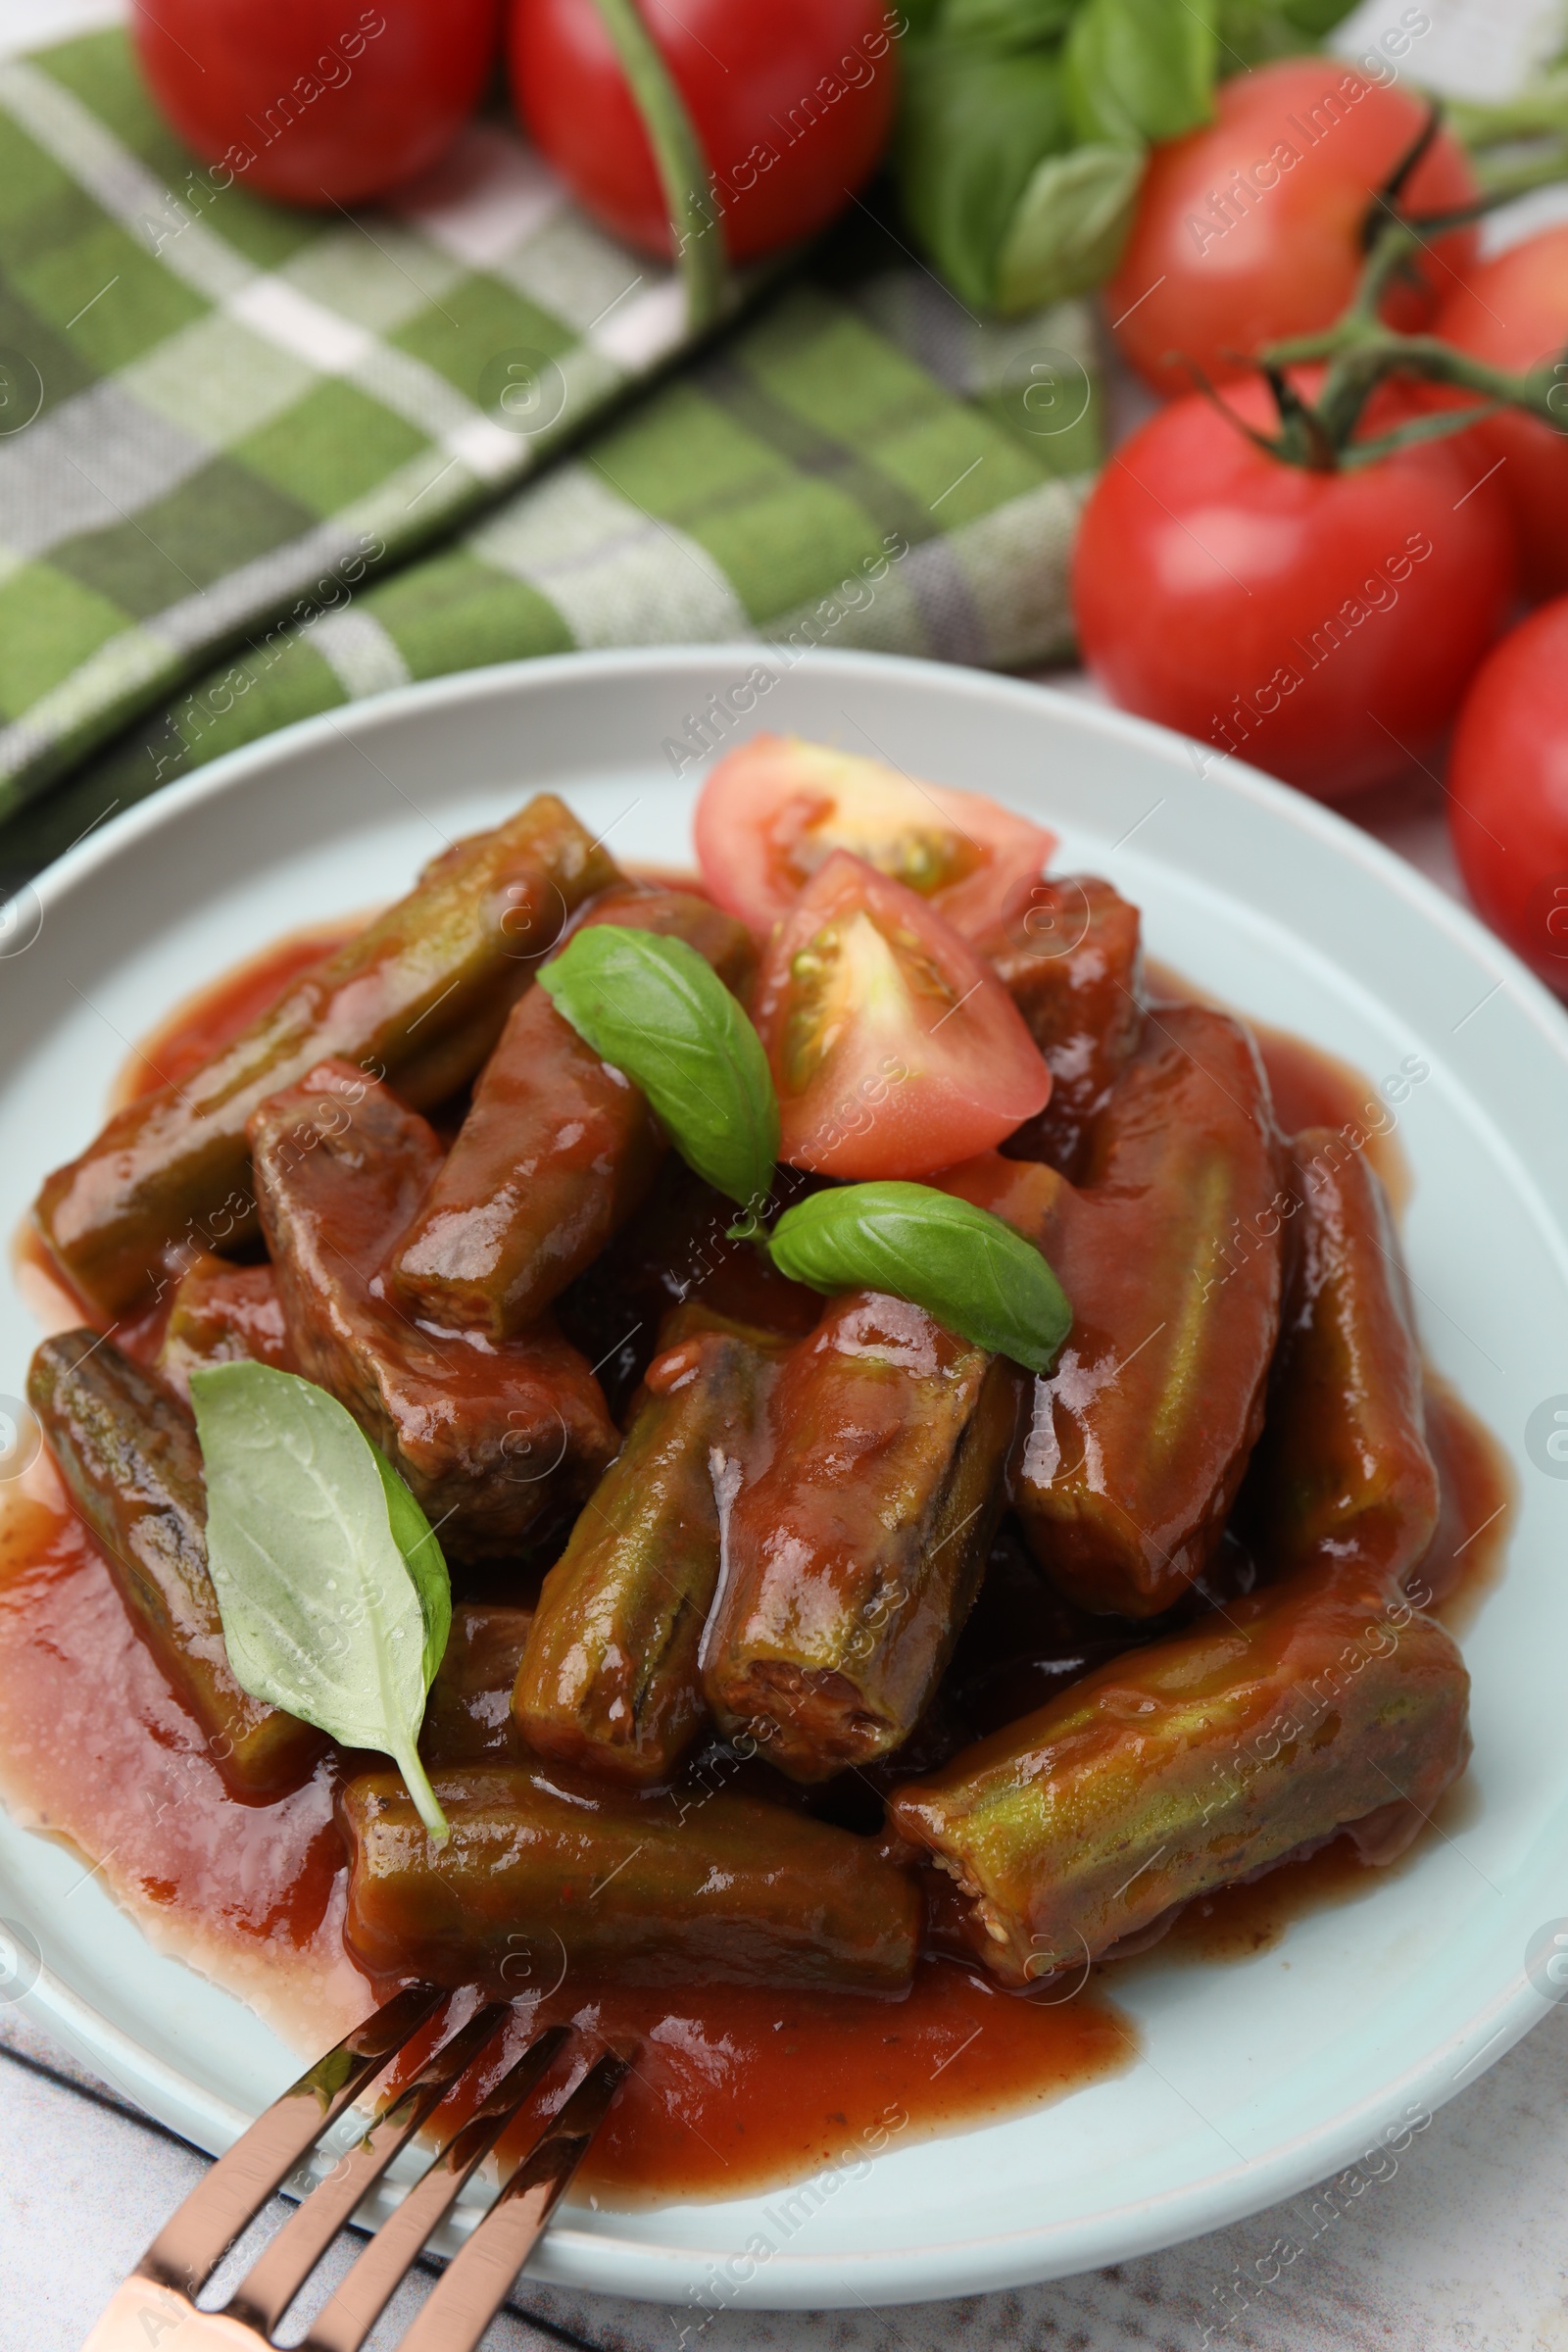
{"x": 159, "y": 2295}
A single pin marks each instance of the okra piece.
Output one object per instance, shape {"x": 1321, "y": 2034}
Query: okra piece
{"x": 1303, "y": 1709}
{"x": 536, "y": 1883}
{"x": 1170, "y": 1257}
{"x": 1072, "y": 961}
{"x": 857, "y": 1535}
{"x": 419, "y": 995}
{"x": 555, "y": 1153}
{"x": 467, "y": 1715}
{"x": 609, "y": 1678}
{"x": 127, "y": 1451}
{"x": 224, "y": 1314}
{"x": 491, "y": 1439}
{"x": 678, "y": 1249}
{"x": 1342, "y": 1462}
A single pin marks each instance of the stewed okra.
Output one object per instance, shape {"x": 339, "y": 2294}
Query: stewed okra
{"x": 127, "y": 1451}
{"x": 422, "y": 993}
{"x": 683, "y": 1628}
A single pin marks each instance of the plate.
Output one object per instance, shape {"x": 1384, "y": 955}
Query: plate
{"x": 1258, "y": 2078}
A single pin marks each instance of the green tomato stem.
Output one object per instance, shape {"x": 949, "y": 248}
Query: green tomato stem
{"x": 1362, "y": 351}
{"x": 1516, "y": 143}
{"x": 1536, "y": 112}
{"x": 683, "y": 171}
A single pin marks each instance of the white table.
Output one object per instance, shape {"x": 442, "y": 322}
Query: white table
{"x": 1466, "y": 2245}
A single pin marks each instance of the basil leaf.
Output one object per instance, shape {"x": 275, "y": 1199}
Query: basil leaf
{"x": 1314, "y": 18}
{"x": 1136, "y": 69}
{"x": 331, "y": 1587}
{"x": 1007, "y": 23}
{"x": 964, "y": 1267}
{"x": 654, "y": 1009}
{"x": 1251, "y": 32}
{"x": 973, "y": 125}
{"x": 1069, "y": 226}
{"x": 423, "y": 1557}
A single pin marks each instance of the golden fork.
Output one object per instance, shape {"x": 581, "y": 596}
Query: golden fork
{"x": 155, "y": 2311}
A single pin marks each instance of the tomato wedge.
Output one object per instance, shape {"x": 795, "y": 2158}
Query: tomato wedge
{"x": 774, "y": 810}
{"x": 894, "y": 1047}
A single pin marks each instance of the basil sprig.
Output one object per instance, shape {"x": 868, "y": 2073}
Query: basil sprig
{"x": 332, "y": 1588}
{"x": 964, "y": 1267}
{"x": 653, "y": 1008}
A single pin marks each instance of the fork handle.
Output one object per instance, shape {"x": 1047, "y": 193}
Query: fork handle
{"x": 145, "y": 2317}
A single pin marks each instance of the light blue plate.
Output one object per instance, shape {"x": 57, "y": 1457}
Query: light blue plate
{"x": 1259, "y": 2077}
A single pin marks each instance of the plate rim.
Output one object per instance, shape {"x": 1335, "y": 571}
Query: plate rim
{"x": 582, "y": 2259}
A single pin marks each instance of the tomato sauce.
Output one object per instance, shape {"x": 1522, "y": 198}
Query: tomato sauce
{"x": 99, "y": 1752}
{"x": 733, "y": 2090}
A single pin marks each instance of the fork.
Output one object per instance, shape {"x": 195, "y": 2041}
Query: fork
{"x": 155, "y": 2310}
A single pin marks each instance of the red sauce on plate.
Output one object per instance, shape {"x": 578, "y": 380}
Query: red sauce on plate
{"x": 733, "y": 2089}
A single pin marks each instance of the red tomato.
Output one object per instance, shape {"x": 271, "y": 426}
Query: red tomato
{"x": 791, "y": 103}
{"x": 317, "y": 101}
{"x": 894, "y": 1047}
{"x": 1250, "y": 228}
{"x": 773, "y": 813}
{"x": 1513, "y": 312}
{"x": 1321, "y": 625}
{"x": 1508, "y": 792}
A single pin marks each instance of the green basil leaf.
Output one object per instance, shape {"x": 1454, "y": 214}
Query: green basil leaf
{"x": 964, "y": 1267}
{"x": 1315, "y": 18}
{"x": 973, "y": 125}
{"x": 654, "y": 1009}
{"x": 332, "y": 1588}
{"x": 1069, "y": 226}
{"x": 1251, "y": 32}
{"x": 1005, "y": 24}
{"x": 423, "y": 1559}
{"x": 1136, "y": 69}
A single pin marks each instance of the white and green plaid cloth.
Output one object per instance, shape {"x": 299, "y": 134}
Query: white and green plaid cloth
{"x": 255, "y": 462}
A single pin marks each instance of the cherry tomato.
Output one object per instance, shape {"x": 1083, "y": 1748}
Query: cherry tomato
{"x": 1513, "y": 311}
{"x": 1320, "y": 626}
{"x": 791, "y": 103}
{"x": 1251, "y": 229}
{"x": 317, "y": 101}
{"x": 773, "y": 813}
{"x": 1508, "y": 788}
{"x": 894, "y": 1047}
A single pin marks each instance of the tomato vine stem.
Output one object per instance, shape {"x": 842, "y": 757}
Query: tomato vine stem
{"x": 1360, "y": 351}
{"x": 1520, "y": 143}
{"x": 683, "y": 171}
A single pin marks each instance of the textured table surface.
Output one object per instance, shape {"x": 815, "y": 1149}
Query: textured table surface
{"x": 1465, "y": 2243}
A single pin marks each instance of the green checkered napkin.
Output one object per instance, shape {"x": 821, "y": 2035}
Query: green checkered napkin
{"x": 243, "y": 407}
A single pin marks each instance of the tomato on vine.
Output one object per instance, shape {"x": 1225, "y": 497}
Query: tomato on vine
{"x": 1507, "y": 789}
{"x": 791, "y": 107}
{"x": 1257, "y": 226}
{"x": 1318, "y": 622}
{"x": 1513, "y": 311}
{"x": 315, "y": 101}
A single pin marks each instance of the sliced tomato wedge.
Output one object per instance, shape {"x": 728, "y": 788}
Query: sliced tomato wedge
{"x": 894, "y": 1047}
{"x": 774, "y": 810}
